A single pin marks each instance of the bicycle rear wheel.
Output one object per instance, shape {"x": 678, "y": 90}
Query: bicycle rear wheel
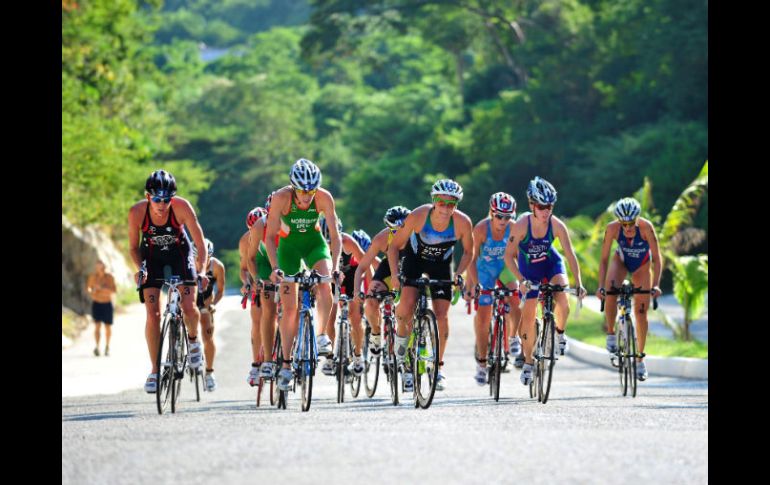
{"x": 371, "y": 365}
{"x": 163, "y": 362}
{"x": 426, "y": 356}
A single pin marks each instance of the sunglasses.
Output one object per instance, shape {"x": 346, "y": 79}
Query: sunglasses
{"x": 444, "y": 202}
{"x": 158, "y": 200}
{"x": 503, "y": 217}
{"x": 306, "y": 192}
{"x": 628, "y": 224}
{"x": 543, "y": 207}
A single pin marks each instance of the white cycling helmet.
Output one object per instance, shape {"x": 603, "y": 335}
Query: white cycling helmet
{"x": 447, "y": 187}
{"x": 627, "y": 209}
{"x": 305, "y": 175}
{"x": 502, "y": 203}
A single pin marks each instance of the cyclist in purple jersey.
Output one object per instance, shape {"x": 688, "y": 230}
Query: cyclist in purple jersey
{"x": 637, "y": 247}
{"x": 532, "y": 259}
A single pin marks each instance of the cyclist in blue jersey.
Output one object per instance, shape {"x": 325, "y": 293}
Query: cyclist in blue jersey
{"x": 487, "y": 267}
{"x": 530, "y": 256}
{"x": 637, "y": 247}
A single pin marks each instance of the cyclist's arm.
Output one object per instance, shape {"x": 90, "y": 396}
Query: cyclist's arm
{"x": 325, "y": 204}
{"x": 280, "y": 200}
{"x": 366, "y": 260}
{"x": 512, "y": 249}
{"x": 255, "y": 237}
{"x": 657, "y": 261}
{"x": 465, "y": 234}
{"x": 400, "y": 239}
{"x": 606, "y": 247}
{"x": 561, "y": 232}
{"x": 186, "y": 215}
{"x": 219, "y": 273}
{"x": 135, "y": 215}
{"x": 479, "y": 236}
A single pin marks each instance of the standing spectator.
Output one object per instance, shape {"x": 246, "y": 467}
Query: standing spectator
{"x": 101, "y": 287}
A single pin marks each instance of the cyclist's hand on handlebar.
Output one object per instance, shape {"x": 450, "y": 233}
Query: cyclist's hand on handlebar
{"x": 245, "y": 288}
{"x": 339, "y": 277}
{"x": 600, "y": 293}
{"x": 203, "y": 281}
{"x": 525, "y": 286}
{"x": 276, "y": 276}
{"x": 581, "y": 292}
{"x": 655, "y": 292}
{"x": 395, "y": 282}
{"x": 141, "y": 278}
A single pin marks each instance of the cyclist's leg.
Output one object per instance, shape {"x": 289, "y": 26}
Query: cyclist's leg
{"x": 527, "y": 329}
{"x": 481, "y": 328}
{"x": 324, "y": 293}
{"x": 561, "y": 303}
{"x": 255, "y": 312}
{"x": 642, "y": 277}
{"x": 190, "y": 310}
{"x": 152, "y": 326}
{"x": 513, "y": 318}
{"x": 615, "y": 276}
{"x": 267, "y": 323}
{"x": 356, "y": 323}
{"x": 289, "y": 321}
{"x": 372, "y": 306}
{"x": 405, "y": 311}
{"x": 441, "y": 309}
{"x": 481, "y": 321}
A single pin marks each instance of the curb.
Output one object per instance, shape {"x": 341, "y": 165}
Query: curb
{"x": 683, "y": 367}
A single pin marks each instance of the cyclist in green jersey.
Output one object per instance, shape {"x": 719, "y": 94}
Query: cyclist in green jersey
{"x": 294, "y": 217}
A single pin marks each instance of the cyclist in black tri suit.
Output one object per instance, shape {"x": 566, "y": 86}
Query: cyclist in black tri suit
{"x": 156, "y": 239}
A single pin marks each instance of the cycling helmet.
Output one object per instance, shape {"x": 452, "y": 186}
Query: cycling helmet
{"x": 395, "y": 216}
{"x": 627, "y": 209}
{"x": 541, "y": 191}
{"x": 447, "y": 187}
{"x": 160, "y": 183}
{"x": 305, "y": 175}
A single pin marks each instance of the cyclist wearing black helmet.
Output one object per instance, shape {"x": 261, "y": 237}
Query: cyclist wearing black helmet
{"x": 157, "y": 238}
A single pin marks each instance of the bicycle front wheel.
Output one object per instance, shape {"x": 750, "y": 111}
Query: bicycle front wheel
{"x": 307, "y": 362}
{"x": 497, "y": 356}
{"x": 179, "y": 334}
{"x": 623, "y": 357}
{"x": 371, "y": 365}
{"x": 339, "y": 370}
{"x": 537, "y": 355}
{"x": 632, "y": 358}
{"x": 426, "y": 358}
{"x": 549, "y": 360}
{"x": 163, "y": 361}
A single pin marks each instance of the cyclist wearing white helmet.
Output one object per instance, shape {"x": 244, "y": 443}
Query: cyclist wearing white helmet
{"x": 429, "y": 234}
{"x": 157, "y": 238}
{"x": 531, "y": 257}
{"x": 294, "y": 216}
{"x": 352, "y": 252}
{"x": 207, "y": 299}
{"x": 637, "y": 246}
{"x": 487, "y": 269}
{"x": 394, "y": 219}
{"x": 255, "y": 269}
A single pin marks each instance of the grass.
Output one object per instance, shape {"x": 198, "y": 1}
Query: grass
{"x": 588, "y": 328}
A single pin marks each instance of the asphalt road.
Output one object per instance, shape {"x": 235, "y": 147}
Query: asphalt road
{"x": 586, "y": 433}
